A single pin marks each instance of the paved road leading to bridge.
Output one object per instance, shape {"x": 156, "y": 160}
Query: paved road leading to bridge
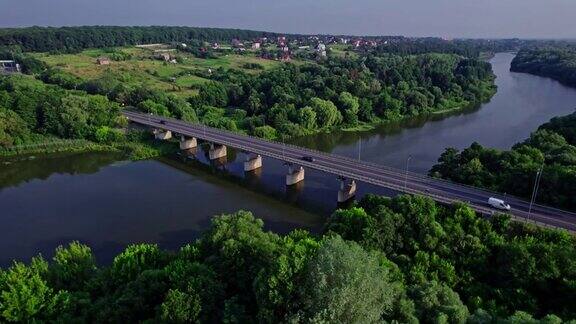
{"x": 395, "y": 179}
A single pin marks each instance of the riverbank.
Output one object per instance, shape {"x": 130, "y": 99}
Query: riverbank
{"x": 135, "y": 149}
{"x": 140, "y": 148}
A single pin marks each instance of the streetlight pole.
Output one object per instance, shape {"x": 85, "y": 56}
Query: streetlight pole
{"x": 359, "y": 147}
{"x": 535, "y": 189}
{"x": 406, "y": 171}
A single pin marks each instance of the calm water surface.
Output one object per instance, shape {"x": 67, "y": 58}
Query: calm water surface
{"x": 523, "y": 102}
{"x": 107, "y": 204}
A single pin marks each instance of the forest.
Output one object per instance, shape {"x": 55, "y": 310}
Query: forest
{"x": 74, "y": 39}
{"x": 286, "y": 100}
{"x": 472, "y": 48}
{"x": 552, "y": 149}
{"x": 403, "y": 260}
{"x": 556, "y": 62}
{"x": 41, "y": 118}
{"x": 298, "y": 99}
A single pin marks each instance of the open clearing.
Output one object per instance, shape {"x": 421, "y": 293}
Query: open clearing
{"x": 142, "y": 68}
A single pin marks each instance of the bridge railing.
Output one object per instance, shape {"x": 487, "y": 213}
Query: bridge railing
{"x": 411, "y": 175}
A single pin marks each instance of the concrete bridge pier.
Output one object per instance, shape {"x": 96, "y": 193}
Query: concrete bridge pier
{"x": 252, "y": 162}
{"x": 347, "y": 191}
{"x": 162, "y": 134}
{"x": 295, "y": 175}
{"x": 217, "y": 151}
{"x": 187, "y": 143}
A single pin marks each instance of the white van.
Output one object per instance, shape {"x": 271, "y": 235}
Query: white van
{"x": 498, "y": 203}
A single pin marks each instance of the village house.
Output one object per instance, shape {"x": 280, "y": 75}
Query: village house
{"x": 236, "y": 43}
{"x": 321, "y": 50}
{"x": 282, "y": 41}
{"x": 255, "y": 45}
{"x": 9, "y": 66}
{"x": 103, "y": 61}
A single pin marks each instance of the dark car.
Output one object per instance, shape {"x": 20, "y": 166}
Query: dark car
{"x": 163, "y": 122}
{"x": 308, "y": 158}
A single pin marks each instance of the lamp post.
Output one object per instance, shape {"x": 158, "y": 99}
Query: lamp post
{"x": 535, "y": 189}
{"x": 359, "y": 147}
{"x": 406, "y": 171}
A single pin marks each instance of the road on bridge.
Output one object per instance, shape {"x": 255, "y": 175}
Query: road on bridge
{"x": 398, "y": 180}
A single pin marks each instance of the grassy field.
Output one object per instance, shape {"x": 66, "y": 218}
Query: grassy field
{"x": 142, "y": 69}
{"x": 341, "y": 50}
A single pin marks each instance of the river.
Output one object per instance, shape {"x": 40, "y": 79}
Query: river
{"x": 107, "y": 204}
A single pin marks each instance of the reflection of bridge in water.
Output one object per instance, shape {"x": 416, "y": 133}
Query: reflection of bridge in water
{"x": 347, "y": 169}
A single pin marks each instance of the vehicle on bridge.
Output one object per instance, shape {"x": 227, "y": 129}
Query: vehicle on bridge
{"x": 308, "y": 158}
{"x": 498, "y": 203}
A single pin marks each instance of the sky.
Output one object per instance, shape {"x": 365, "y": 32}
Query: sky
{"x": 441, "y": 18}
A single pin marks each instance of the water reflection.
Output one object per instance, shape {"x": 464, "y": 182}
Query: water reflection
{"x": 109, "y": 206}
{"x": 14, "y": 172}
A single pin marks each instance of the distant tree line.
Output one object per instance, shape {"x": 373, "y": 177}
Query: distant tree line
{"x": 73, "y": 39}
{"x": 405, "y": 260}
{"x": 552, "y": 147}
{"x": 472, "y": 48}
{"x": 556, "y": 62}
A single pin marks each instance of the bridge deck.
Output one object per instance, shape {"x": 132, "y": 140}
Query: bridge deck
{"x": 412, "y": 183}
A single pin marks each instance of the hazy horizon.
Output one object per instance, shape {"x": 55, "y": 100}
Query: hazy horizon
{"x": 416, "y": 18}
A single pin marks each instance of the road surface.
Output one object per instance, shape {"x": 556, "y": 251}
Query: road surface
{"x": 395, "y": 179}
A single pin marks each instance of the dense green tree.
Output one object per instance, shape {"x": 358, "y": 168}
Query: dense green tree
{"x": 135, "y": 259}
{"x": 326, "y": 112}
{"x": 345, "y": 284}
{"x": 350, "y": 106}
{"x": 24, "y": 293}
{"x": 237, "y": 245}
{"x": 307, "y": 118}
{"x": 180, "y": 307}
{"x": 437, "y": 303}
{"x": 73, "y": 266}
{"x": 351, "y": 223}
{"x": 152, "y": 107}
{"x": 214, "y": 94}
{"x": 13, "y": 130}
{"x": 276, "y": 287}
{"x": 266, "y": 132}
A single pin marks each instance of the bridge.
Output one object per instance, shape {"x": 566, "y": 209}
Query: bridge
{"x": 348, "y": 170}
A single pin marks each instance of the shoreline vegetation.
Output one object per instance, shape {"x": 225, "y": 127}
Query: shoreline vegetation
{"x": 131, "y": 150}
{"x": 549, "y": 151}
{"x": 555, "y": 62}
